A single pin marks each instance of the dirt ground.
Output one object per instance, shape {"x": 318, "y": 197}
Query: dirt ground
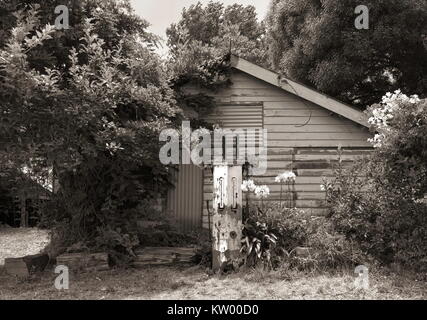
{"x": 19, "y": 242}
{"x": 194, "y": 283}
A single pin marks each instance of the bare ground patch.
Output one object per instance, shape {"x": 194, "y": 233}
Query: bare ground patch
{"x": 18, "y": 242}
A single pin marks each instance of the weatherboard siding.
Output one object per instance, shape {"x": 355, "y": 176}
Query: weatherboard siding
{"x": 302, "y": 137}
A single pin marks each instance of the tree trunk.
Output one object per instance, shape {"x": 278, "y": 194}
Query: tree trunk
{"x": 24, "y": 213}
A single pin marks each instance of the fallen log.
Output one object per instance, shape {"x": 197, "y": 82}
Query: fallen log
{"x": 24, "y": 266}
{"x": 164, "y": 256}
{"x": 84, "y": 262}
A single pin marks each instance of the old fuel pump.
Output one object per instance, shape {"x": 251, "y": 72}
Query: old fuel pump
{"x": 227, "y": 216}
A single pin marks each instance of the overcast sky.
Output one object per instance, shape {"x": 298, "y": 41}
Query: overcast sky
{"x": 161, "y": 13}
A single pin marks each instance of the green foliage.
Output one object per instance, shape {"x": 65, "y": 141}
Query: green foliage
{"x": 204, "y": 250}
{"x": 259, "y": 243}
{"x": 380, "y": 202}
{"x": 316, "y": 42}
{"x": 329, "y": 249}
{"x": 378, "y": 217}
{"x": 200, "y": 45}
{"x": 274, "y": 236}
{"x": 212, "y": 75}
{"x": 204, "y": 33}
{"x": 113, "y": 21}
{"x": 400, "y": 123}
{"x": 96, "y": 121}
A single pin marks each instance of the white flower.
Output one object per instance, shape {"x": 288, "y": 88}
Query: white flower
{"x": 383, "y": 113}
{"x": 414, "y": 99}
{"x": 262, "y": 192}
{"x": 113, "y": 147}
{"x": 322, "y": 187}
{"x": 248, "y": 186}
{"x": 377, "y": 140}
{"x": 287, "y": 176}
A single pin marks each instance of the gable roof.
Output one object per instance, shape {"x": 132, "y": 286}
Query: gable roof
{"x": 300, "y": 90}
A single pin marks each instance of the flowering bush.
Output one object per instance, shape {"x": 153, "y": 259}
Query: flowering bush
{"x": 380, "y": 202}
{"x": 382, "y": 115}
{"x": 401, "y": 142}
{"x": 288, "y": 177}
{"x": 272, "y": 235}
{"x": 248, "y": 186}
{"x": 262, "y": 192}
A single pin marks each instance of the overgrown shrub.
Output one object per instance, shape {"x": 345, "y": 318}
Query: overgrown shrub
{"x": 400, "y": 142}
{"x": 272, "y": 236}
{"x": 379, "y": 202}
{"x": 377, "y": 216}
{"x": 204, "y": 249}
{"x": 259, "y": 243}
{"x": 329, "y": 249}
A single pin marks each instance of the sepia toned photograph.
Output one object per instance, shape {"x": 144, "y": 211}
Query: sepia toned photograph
{"x": 222, "y": 158}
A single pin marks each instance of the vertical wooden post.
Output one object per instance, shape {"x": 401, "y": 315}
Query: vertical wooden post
{"x": 55, "y": 180}
{"x": 23, "y": 207}
{"x": 227, "y": 216}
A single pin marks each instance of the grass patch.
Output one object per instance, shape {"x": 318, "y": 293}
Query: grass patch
{"x": 164, "y": 283}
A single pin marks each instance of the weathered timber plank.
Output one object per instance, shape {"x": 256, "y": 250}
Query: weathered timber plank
{"x": 327, "y": 128}
{"x": 24, "y": 266}
{"x": 334, "y": 151}
{"x": 328, "y": 157}
{"x": 331, "y": 120}
{"x": 324, "y": 164}
{"x": 283, "y": 98}
{"x": 297, "y": 113}
{"x": 163, "y": 256}
{"x": 318, "y": 143}
{"x": 16, "y": 267}
{"x": 84, "y": 262}
{"x": 292, "y": 104}
{"x": 318, "y": 136}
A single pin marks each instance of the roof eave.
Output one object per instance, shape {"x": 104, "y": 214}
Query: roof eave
{"x": 300, "y": 90}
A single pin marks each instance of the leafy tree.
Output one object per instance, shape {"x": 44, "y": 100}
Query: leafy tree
{"x": 95, "y": 121}
{"x": 316, "y": 42}
{"x": 207, "y": 33}
{"x": 112, "y": 20}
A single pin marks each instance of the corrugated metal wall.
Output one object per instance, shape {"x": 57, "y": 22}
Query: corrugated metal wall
{"x": 184, "y": 201}
{"x": 235, "y": 116}
{"x": 238, "y": 115}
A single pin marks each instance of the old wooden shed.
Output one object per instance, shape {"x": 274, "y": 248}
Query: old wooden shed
{"x": 305, "y": 129}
